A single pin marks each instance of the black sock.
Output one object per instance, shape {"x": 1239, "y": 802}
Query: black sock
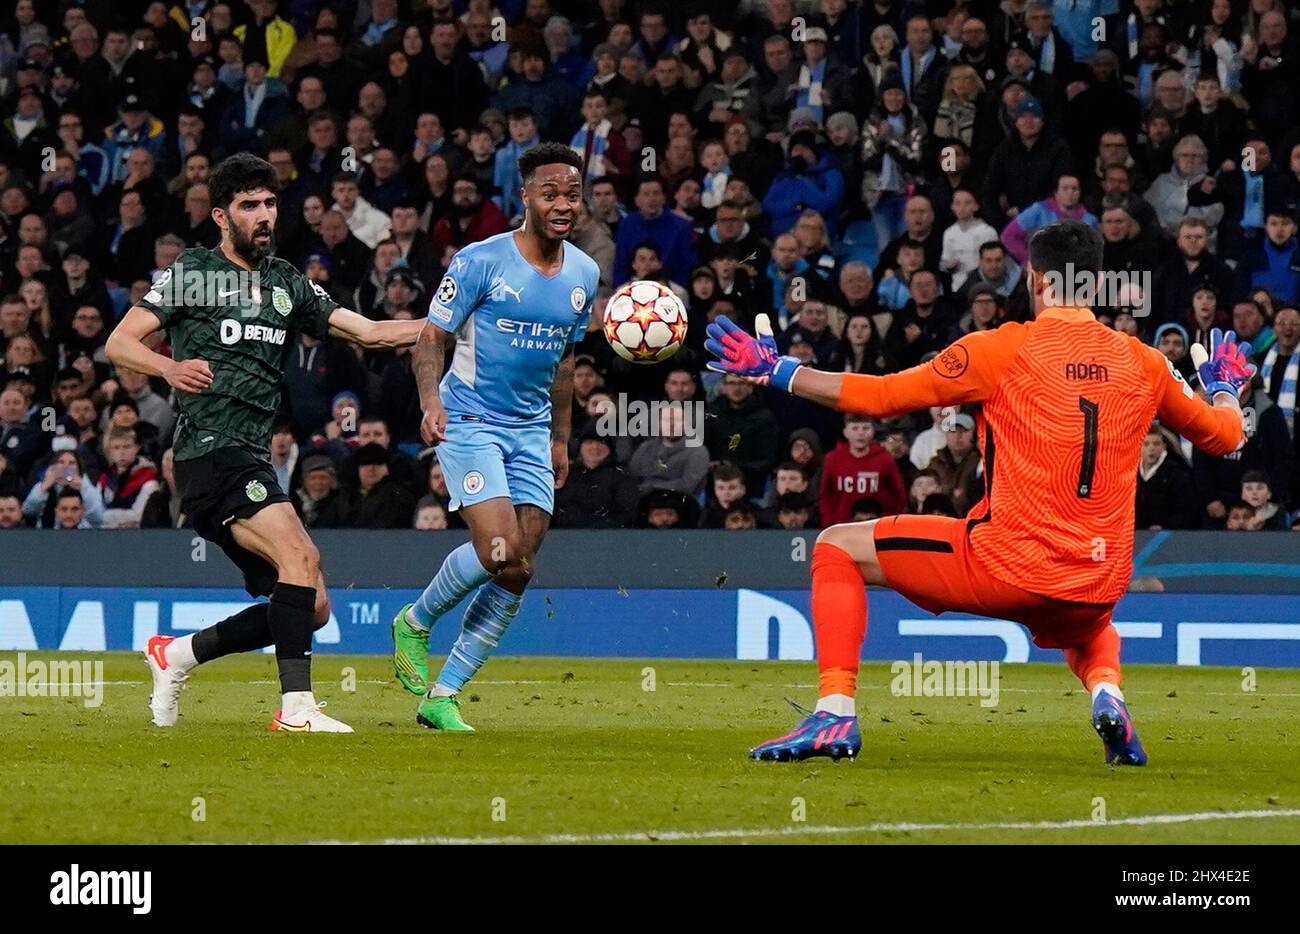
{"x": 291, "y": 610}
{"x": 246, "y": 631}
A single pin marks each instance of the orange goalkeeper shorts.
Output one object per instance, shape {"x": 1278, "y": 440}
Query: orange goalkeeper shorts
{"x": 928, "y": 559}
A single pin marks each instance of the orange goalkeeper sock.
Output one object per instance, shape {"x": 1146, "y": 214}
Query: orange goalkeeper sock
{"x": 839, "y": 608}
{"x": 1096, "y": 662}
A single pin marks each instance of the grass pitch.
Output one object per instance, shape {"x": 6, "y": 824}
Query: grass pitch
{"x": 573, "y": 750}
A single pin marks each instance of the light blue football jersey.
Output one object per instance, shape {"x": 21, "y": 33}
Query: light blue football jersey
{"x": 512, "y": 325}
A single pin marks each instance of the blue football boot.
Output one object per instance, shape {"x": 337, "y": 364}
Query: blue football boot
{"x": 818, "y": 734}
{"x": 1111, "y": 720}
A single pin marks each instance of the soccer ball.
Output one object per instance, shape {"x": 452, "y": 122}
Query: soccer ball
{"x": 645, "y": 322}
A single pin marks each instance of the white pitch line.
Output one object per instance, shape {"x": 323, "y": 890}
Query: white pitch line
{"x": 674, "y": 836}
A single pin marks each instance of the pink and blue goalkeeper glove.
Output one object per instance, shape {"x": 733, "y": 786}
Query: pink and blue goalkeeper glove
{"x": 1227, "y": 367}
{"x": 741, "y": 354}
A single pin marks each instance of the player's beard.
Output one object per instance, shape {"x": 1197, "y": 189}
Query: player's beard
{"x": 248, "y": 248}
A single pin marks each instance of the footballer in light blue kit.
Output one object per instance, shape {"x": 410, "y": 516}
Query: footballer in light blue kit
{"x": 515, "y": 304}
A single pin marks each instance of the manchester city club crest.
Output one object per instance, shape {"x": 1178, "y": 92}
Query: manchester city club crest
{"x": 281, "y": 301}
{"x": 255, "y": 491}
{"x": 578, "y": 298}
{"x": 473, "y": 482}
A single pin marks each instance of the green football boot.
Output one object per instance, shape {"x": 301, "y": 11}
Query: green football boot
{"x": 410, "y": 653}
{"x": 442, "y": 713}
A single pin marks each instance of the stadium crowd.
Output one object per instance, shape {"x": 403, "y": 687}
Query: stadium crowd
{"x": 867, "y": 172}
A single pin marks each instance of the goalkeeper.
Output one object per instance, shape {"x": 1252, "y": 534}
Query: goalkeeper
{"x": 1063, "y": 406}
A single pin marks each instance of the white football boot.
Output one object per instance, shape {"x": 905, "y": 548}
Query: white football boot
{"x": 168, "y": 682}
{"x": 307, "y": 716}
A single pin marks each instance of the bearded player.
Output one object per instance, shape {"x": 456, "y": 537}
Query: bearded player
{"x": 1064, "y": 404}
{"x": 514, "y": 305}
{"x": 230, "y": 315}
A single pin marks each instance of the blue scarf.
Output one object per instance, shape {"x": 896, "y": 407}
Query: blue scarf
{"x": 907, "y": 68}
{"x": 374, "y": 33}
{"x": 891, "y": 176}
{"x": 1252, "y": 217}
{"x": 595, "y": 166}
{"x": 805, "y": 97}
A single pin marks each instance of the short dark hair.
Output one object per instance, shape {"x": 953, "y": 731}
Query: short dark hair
{"x": 547, "y": 154}
{"x": 648, "y": 245}
{"x": 239, "y": 173}
{"x": 727, "y": 471}
{"x": 992, "y": 245}
{"x": 1065, "y": 246}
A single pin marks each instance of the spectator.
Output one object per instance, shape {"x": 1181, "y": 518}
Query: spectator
{"x": 319, "y": 486}
{"x": 1274, "y": 263}
{"x": 69, "y": 512}
{"x": 604, "y": 153}
{"x": 377, "y": 501}
{"x": 1065, "y": 203}
{"x": 540, "y": 90}
{"x": 893, "y": 137}
{"x": 472, "y": 218}
{"x": 810, "y": 180}
{"x": 1256, "y": 492}
{"x": 21, "y": 441}
{"x": 1168, "y": 194}
{"x": 729, "y": 491}
{"x": 671, "y": 234}
{"x": 1025, "y": 166}
{"x": 955, "y": 466}
{"x": 924, "y": 485}
{"x": 430, "y": 515}
{"x": 1268, "y": 449}
{"x": 127, "y": 484}
{"x": 505, "y": 177}
{"x": 163, "y": 510}
{"x": 1241, "y": 517}
{"x": 670, "y": 461}
{"x": 154, "y": 409}
{"x": 741, "y": 516}
{"x": 859, "y": 466}
{"x": 1194, "y": 265}
{"x": 11, "y": 513}
{"x": 741, "y": 429}
{"x": 598, "y": 494}
{"x": 664, "y": 509}
{"x": 367, "y": 223}
{"x": 926, "y": 324}
{"x": 1165, "y": 490}
{"x": 964, "y": 238}
{"x": 63, "y": 472}
{"x": 1279, "y": 367}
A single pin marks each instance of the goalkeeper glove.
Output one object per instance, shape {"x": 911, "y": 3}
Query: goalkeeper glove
{"x": 1227, "y": 367}
{"x": 741, "y": 354}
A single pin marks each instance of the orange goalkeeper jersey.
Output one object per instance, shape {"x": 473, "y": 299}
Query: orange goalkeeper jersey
{"x": 1065, "y": 405}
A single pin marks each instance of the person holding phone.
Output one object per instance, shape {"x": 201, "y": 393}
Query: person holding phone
{"x": 64, "y": 471}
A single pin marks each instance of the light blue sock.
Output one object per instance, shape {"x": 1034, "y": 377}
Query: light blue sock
{"x": 460, "y": 573}
{"x": 482, "y": 627}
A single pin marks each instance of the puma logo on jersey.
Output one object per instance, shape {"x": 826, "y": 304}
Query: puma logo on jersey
{"x": 1095, "y": 372}
{"x": 500, "y": 290}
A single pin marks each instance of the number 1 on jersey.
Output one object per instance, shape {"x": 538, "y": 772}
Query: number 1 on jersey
{"x": 1088, "y": 465}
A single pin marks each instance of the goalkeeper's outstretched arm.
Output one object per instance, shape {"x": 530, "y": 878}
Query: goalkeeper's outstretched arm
{"x": 968, "y": 370}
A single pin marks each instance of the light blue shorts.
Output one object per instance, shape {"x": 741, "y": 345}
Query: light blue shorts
{"x": 482, "y": 462}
